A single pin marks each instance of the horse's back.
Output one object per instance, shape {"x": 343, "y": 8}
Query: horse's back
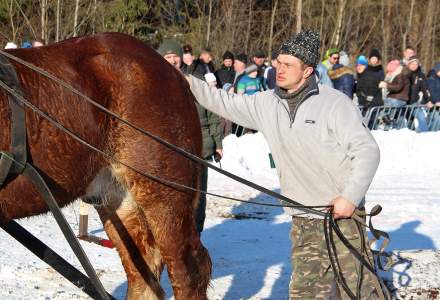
{"x": 122, "y": 74}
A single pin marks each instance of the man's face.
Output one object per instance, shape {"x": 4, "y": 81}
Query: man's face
{"x": 334, "y": 58}
{"x": 259, "y": 61}
{"x": 173, "y": 59}
{"x": 408, "y": 53}
{"x": 413, "y": 66}
{"x": 273, "y": 63}
{"x": 291, "y": 72}
{"x": 360, "y": 68}
{"x": 205, "y": 57}
{"x": 188, "y": 59}
{"x": 239, "y": 66}
{"x": 228, "y": 62}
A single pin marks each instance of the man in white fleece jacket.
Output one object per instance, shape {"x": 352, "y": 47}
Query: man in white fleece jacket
{"x": 324, "y": 156}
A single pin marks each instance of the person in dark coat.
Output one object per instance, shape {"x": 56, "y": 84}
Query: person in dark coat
{"x": 375, "y": 63}
{"x": 433, "y": 83}
{"x": 203, "y": 65}
{"x": 210, "y": 123}
{"x": 187, "y": 59}
{"x": 258, "y": 58}
{"x": 343, "y": 79}
{"x": 270, "y": 73}
{"x": 226, "y": 74}
{"x": 418, "y": 83}
{"x": 418, "y": 93}
{"x": 367, "y": 84}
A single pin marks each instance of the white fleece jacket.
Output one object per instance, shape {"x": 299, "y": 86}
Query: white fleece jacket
{"x": 322, "y": 151}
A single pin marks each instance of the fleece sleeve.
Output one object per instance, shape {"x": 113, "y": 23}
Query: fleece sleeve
{"x": 359, "y": 145}
{"x": 241, "y": 109}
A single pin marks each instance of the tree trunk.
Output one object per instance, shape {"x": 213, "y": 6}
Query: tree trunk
{"x": 11, "y": 19}
{"x": 408, "y": 26}
{"x": 298, "y": 15}
{"x": 58, "y": 20}
{"x": 248, "y": 31}
{"x": 95, "y": 5}
{"x": 75, "y": 19}
{"x": 337, "y": 36}
{"x": 208, "y": 32}
{"x": 434, "y": 36}
{"x": 44, "y": 21}
{"x": 427, "y": 34}
{"x": 385, "y": 22}
{"x": 321, "y": 34}
{"x": 272, "y": 19}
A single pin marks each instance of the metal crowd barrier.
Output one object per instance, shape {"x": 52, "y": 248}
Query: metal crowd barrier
{"x": 414, "y": 117}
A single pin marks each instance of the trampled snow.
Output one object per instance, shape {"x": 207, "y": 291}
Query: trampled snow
{"x": 249, "y": 245}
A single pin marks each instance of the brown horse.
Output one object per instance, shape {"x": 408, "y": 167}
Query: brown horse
{"x": 150, "y": 224}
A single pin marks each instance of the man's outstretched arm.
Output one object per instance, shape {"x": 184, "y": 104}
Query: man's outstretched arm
{"x": 241, "y": 109}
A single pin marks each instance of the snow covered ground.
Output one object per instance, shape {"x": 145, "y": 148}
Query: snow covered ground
{"x": 249, "y": 244}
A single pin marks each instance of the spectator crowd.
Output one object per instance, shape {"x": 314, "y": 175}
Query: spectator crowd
{"x": 400, "y": 90}
{"x": 401, "y": 86}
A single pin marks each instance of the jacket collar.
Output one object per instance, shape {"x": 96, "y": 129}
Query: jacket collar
{"x": 310, "y": 90}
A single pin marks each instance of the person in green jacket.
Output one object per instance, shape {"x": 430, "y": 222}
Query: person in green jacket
{"x": 210, "y": 123}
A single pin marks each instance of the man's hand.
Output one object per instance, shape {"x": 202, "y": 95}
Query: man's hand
{"x": 342, "y": 208}
{"x": 218, "y": 155}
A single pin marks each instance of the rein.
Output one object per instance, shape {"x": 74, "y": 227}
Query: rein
{"x": 329, "y": 224}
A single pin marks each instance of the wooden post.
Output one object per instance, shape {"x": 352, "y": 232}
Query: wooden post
{"x": 83, "y": 219}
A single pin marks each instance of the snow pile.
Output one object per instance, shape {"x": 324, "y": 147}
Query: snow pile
{"x": 249, "y": 244}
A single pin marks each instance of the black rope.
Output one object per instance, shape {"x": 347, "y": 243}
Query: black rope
{"x": 330, "y": 227}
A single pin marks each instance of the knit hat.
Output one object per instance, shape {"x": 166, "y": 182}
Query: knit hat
{"x": 344, "y": 59}
{"x": 259, "y": 54}
{"x": 187, "y": 49}
{"x": 362, "y": 60}
{"x": 331, "y": 51}
{"x": 374, "y": 53}
{"x": 242, "y": 57}
{"x": 26, "y": 45}
{"x": 304, "y": 45}
{"x": 228, "y": 55}
{"x": 11, "y": 45}
{"x": 251, "y": 68}
{"x": 169, "y": 46}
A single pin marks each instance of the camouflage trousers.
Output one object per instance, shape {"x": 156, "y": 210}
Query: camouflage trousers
{"x": 312, "y": 276}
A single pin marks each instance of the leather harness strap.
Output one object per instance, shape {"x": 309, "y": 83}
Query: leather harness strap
{"x": 18, "y": 125}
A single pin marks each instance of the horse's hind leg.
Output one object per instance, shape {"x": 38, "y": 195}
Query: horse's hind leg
{"x": 170, "y": 217}
{"x": 125, "y": 225}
